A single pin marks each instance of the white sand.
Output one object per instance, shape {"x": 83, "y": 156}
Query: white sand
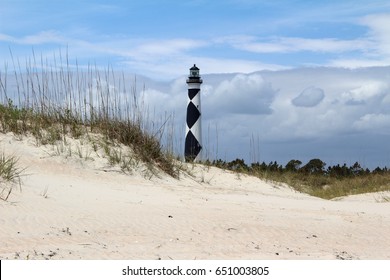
{"x": 72, "y": 208}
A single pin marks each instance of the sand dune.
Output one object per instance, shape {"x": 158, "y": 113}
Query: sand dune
{"x": 76, "y": 208}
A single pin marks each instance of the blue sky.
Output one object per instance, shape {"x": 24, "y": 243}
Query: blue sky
{"x": 159, "y": 38}
{"x": 327, "y": 96}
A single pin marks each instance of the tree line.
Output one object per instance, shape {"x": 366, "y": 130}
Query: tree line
{"x": 314, "y": 166}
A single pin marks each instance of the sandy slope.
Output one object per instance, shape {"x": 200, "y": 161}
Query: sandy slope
{"x": 72, "y": 208}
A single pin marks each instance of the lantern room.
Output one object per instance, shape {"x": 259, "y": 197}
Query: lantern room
{"x": 194, "y": 76}
{"x": 194, "y": 71}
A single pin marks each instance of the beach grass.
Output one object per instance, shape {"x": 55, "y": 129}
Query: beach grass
{"x": 52, "y": 102}
{"x": 10, "y": 173}
{"x": 328, "y": 187}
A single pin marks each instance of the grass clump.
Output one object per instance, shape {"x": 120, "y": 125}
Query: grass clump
{"x": 10, "y": 174}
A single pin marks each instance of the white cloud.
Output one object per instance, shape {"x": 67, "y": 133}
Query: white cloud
{"x": 166, "y": 47}
{"x": 170, "y": 68}
{"x": 379, "y": 25}
{"x": 358, "y": 62}
{"x": 379, "y": 123}
{"x": 368, "y": 92}
{"x": 282, "y": 44}
{"x": 243, "y": 94}
{"x": 365, "y": 50}
{"x": 332, "y": 116}
{"x": 44, "y": 37}
{"x": 6, "y": 38}
{"x": 375, "y": 49}
{"x": 294, "y": 44}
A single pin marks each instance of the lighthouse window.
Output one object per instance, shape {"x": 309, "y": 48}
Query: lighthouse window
{"x": 194, "y": 73}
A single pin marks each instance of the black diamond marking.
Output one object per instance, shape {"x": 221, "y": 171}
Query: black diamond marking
{"x": 193, "y": 114}
{"x": 192, "y": 92}
{"x": 192, "y": 147}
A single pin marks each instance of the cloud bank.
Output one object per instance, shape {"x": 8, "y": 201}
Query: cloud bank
{"x": 243, "y": 94}
{"x": 339, "y": 115}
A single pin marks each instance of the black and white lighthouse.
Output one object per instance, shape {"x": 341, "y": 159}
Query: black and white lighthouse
{"x": 193, "y": 142}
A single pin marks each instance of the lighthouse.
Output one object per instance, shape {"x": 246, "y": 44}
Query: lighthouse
{"x": 193, "y": 141}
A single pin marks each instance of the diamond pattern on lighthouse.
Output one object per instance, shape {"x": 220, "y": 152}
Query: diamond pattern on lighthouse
{"x": 192, "y": 92}
{"x": 193, "y": 114}
{"x": 192, "y": 147}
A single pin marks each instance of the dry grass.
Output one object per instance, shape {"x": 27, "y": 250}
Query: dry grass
{"x": 60, "y": 101}
{"x": 327, "y": 187}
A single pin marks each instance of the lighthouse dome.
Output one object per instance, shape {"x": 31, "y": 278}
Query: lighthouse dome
{"x": 194, "y": 67}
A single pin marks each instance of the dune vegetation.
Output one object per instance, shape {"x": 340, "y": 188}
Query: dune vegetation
{"x": 314, "y": 179}
{"x": 53, "y": 102}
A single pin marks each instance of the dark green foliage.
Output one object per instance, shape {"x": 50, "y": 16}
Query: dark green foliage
{"x": 293, "y": 165}
{"x": 314, "y": 166}
{"x": 238, "y": 165}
